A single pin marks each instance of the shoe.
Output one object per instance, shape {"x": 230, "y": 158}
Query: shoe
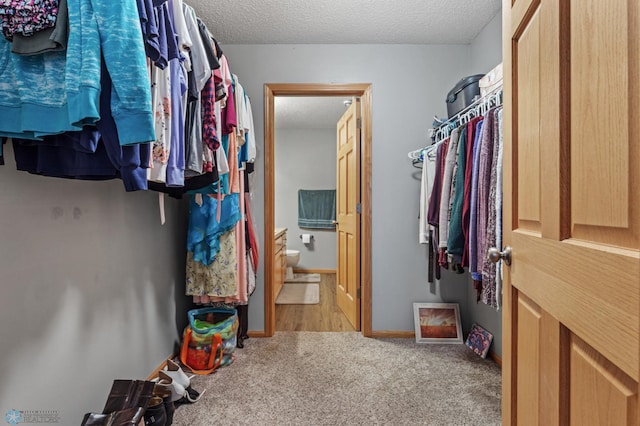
{"x": 128, "y": 417}
{"x": 163, "y": 391}
{"x": 174, "y": 371}
{"x": 179, "y": 393}
{"x": 156, "y": 413}
{"x": 177, "y": 390}
{"x": 169, "y": 408}
{"x": 128, "y": 394}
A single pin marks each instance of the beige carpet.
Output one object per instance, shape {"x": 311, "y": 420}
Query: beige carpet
{"x": 299, "y": 294}
{"x": 303, "y": 278}
{"x": 325, "y": 378}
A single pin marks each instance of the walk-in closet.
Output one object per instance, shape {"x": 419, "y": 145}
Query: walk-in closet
{"x": 486, "y": 234}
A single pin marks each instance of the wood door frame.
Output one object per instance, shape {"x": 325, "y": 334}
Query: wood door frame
{"x": 362, "y": 90}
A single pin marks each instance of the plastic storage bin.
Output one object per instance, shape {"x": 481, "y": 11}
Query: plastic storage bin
{"x": 462, "y": 94}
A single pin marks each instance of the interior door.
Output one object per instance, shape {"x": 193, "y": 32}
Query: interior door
{"x": 347, "y": 215}
{"x": 571, "y": 212}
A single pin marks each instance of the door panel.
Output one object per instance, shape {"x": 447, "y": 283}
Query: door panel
{"x": 527, "y": 52}
{"x": 528, "y": 390}
{"x": 522, "y": 8}
{"x": 347, "y": 217}
{"x": 574, "y": 290}
{"x": 571, "y": 212}
{"x": 601, "y": 393}
{"x": 606, "y": 76}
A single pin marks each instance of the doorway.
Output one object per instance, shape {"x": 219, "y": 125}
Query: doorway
{"x": 362, "y": 91}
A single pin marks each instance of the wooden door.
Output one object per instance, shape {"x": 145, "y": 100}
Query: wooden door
{"x": 347, "y": 215}
{"x": 571, "y": 212}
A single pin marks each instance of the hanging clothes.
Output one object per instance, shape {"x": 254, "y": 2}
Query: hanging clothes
{"x": 473, "y": 210}
{"x": 426, "y": 189}
{"x": 218, "y": 280}
{"x": 27, "y": 18}
{"x": 474, "y": 128}
{"x": 95, "y": 153}
{"x": 488, "y": 295}
{"x": 154, "y": 104}
{"x": 498, "y": 243}
{"x": 433, "y": 214}
{"x": 462, "y": 178}
{"x": 484, "y": 179}
{"x": 205, "y": 229}
{"x": 241, "y": 247}
{"x": 52, "y": 39}
{"x": 455, "y": 238}
{"x": 87, "y": 86}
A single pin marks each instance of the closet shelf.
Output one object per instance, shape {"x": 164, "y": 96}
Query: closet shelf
{"x": 476, "y": 109}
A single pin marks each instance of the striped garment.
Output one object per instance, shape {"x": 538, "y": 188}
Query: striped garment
{"x": 484, "y": 177}
{"x": 488, "y": 295}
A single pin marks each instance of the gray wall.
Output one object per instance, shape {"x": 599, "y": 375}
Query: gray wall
{"x": 92, "y": 289}
{"x": 305, "y": 159}
{"x": 486, "y": 49}
{"x": 486, "y": 53}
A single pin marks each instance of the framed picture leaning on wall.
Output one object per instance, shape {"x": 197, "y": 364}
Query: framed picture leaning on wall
{"x": 479, "y": 340}
{"x": 437, "y": 323}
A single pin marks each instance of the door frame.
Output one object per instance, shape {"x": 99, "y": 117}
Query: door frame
{"x": 362, "y": 90}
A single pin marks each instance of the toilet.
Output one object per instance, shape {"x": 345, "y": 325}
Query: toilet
{"x": 293, "y": 257}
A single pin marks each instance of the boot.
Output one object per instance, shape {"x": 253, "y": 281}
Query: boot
{"x": 128, "y": 394}
{"x": 156, "y": 413}
{"x": 164, "y": 391}
{"x": 128, "y": 417}
{"x": 169, "y": 408}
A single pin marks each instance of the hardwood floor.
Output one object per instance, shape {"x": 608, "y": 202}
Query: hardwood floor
{"x": 325, "y": 316}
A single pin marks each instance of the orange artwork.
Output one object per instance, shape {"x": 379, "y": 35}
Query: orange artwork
{"x": 437, "y": 323}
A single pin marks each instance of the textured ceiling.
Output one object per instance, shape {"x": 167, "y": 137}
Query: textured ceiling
{"x": 295, "y": 112}
{"x": 345, "y": 21}
{"x": 340, "y": 22}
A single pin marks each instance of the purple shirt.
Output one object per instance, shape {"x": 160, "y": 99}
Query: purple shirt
{"x": 473, "y": 209}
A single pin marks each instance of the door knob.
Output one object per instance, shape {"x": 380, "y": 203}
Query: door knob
{"x": 494, "y": 255}
{"x": 335, "y": 222}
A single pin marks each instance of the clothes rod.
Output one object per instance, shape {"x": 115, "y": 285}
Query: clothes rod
{"x": 474, "y": 104}
{"x": 478, "y": 107}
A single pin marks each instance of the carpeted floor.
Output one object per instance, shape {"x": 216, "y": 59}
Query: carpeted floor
{"x": 325, "y": 378}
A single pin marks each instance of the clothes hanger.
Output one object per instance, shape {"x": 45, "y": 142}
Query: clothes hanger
{"x": 440, "y": 134}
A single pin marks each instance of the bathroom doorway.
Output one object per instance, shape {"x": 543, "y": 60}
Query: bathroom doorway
{"x": 325, "y": 315}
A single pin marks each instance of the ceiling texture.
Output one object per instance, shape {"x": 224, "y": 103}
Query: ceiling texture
{"x": 308, "y": 112}
{"x": 340, "y": 22}
{"x": 345, "y": 21}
